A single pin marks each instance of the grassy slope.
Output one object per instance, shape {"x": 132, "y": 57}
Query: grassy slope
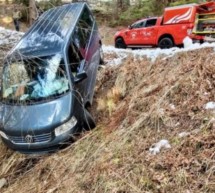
{"x": 134, "y": 110}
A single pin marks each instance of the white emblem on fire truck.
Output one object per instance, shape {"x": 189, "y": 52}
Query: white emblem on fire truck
{"x": 179, "y": 18}
{"x": 133, "y": 35}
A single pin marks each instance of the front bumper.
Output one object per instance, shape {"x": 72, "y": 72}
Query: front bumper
{"x": 52, "y": 145}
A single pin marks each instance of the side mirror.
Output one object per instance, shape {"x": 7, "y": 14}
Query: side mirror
{"x": 129, "y": 27}
{"x": 80, "y": 76}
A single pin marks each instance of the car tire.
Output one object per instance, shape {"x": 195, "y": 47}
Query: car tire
{"x": 136, "y": 48}
{"x": 119, "y": 43}
{"x": 101, "y": 60}
{"x": 165, "y": 43}
{"x": 88, "y": 120}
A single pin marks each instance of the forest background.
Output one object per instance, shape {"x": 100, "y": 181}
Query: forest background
{"x": 109, "y": 12}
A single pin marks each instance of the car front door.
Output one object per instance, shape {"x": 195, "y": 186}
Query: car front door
{"x": 86, "y": 39}
{"x": 150, "y": 32}
{"x": 134, "y": 34}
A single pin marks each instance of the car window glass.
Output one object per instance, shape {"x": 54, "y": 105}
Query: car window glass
{"x": 74, "y": 57}
{"x": 150, "y": 22}
{"x": 138, "y": 25}
{"x": 83, "y": 30}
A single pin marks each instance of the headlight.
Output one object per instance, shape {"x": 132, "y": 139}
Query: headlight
{"x": 66, "y": 126}
{"x": 3, "y": 135}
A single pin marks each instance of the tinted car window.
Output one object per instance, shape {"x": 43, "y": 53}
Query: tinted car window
{"x": 75, "y": 57}
{"x": 150, "y": 22}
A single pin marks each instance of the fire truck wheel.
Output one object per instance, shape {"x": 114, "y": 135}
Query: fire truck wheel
{"x": 165, "y": 42}
{"x": 119, "y": 43}
{"x": 101, "y": 60}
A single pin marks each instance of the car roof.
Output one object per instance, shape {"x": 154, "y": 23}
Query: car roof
{"x": 49, "y": 33}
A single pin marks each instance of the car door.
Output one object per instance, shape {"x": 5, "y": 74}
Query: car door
{"x": 134, "y": 33}
{"x": 150, "y": 32}
{"x": 86, "y": 39}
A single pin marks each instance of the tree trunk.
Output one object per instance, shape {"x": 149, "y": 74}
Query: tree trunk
{"x": 32, "y": 11}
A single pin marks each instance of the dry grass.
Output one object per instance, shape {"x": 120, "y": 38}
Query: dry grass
{"x": 107, "y": 34}
{"x": 149, "y": 102}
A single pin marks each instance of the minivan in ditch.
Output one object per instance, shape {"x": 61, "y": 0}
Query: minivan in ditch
{"x": 48, "y": 80}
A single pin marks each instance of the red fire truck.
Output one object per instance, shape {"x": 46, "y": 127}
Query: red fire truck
{"x": 194, "y": 20}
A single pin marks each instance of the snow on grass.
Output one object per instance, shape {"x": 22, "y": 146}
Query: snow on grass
{"x": 183, "y": 134}
{"x": 156, "y": 148}
{"x": 152, "y": 53}
{"x": 9, "y": 36}
{"x": 210, "y": 106}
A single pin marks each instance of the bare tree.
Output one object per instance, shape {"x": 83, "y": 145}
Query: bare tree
{"x": 119, "y": 6}
{"x": 32, "y": 11}
{"x": 123, "y": 4}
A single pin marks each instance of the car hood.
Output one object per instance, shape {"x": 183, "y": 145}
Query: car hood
{"x": 35, "y": 118}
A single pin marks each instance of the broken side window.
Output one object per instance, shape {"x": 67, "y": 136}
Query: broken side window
{"x": 83, "y": 30}
{"x": 75, "y": 57}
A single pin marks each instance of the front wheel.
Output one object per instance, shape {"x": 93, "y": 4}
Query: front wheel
{"x": 165, "y": 43}
{"x": 119, "y": 43}
{"x": 88, "y": 121}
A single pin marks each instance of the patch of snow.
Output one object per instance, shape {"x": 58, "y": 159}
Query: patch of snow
{"x": 156, "y": 148}
{"x": 183, "y": 134}
{"x": 9, "y": 36}
{"x": 117, "y": 61}
{"x": 172, "y": 106}
{"x": 3, "y": 182}
{"x": 187, "y": 42}
{"x": 161, "y": 111}
{"x": 210, "y": 106}
{"x": 153, "y": 53}
{"x": 121, "y": 54}
{"x": 177, "y": 124}
{"x": 212, "y": 120}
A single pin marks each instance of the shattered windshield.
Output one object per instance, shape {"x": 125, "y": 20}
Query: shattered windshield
{"x": 34, "y": 79}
